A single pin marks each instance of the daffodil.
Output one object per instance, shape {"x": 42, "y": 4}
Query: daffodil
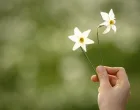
{"x": 80, "y": 39}
{"x": 109, "y": 21}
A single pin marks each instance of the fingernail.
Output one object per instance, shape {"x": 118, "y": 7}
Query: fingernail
{"x": 100, "y": 69}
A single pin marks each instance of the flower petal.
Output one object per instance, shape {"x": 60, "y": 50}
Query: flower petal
{"x": 86, "y": 33}
{"x": 105, "y": 16}
{"x": 73, "y": 38}
{"x": 76, "y": 46}
{"x": 77, "y": 32}
{"x": 111, "y": 14}
{"x": 104, "y": 24}
{"x": 107, "y": 30}
{"x": 84, "y": 47}
{"x": 114, "y": 28}
{"x": 114, "y": 21}
{"x": 88, "y": 41}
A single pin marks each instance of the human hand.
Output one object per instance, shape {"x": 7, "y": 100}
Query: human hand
{"x": 114, "y": 87}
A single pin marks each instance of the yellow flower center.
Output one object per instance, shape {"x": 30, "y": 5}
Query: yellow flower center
{"x": 81, "y": 40}
{"x": 111, "y": 22}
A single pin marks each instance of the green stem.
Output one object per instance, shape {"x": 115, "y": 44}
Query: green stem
{"x": 89, "y": 60}
{"x": 98, "y": 44}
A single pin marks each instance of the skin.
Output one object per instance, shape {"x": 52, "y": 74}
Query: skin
{"x": 114, "y": 88}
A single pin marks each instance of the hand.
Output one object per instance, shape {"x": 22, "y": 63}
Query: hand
{"x": 114, "y": 87}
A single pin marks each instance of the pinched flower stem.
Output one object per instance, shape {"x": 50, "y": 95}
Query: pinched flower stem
{"x": 89, "y": 61}
{"x": 99, "y": 43}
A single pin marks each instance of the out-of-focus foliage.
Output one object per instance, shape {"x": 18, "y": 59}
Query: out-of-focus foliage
{"x": 39, "y": 70}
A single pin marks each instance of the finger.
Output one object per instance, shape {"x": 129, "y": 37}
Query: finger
{"x": 112, "y": 79}
{"x": 112, "y": 70}
{"x": 94, "y": 78}
{"x": 103, "y": 77}
{"x": 123, "y": 78}
{"x": 119, "y": 72}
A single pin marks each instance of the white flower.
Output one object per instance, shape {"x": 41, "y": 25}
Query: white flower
{"x": 80, "y": 39}
{"x": 109, "y": 21}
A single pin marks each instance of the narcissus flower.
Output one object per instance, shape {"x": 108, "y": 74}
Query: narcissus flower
{"x": 80, "y": 39}
{"x": 109, "y": 21}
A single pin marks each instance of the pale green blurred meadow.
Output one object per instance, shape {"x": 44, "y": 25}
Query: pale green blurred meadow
{"x": 39, "y": 70}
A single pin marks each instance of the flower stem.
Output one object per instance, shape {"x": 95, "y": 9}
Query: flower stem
{"x": 99, "y": 43}
{"x": 89, "y": 61}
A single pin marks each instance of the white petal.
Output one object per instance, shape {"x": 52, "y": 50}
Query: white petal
{"x": 114, "y": 21}
{"x": 73, "y": 38}
{"x": 84, "y": 47}
{"x": 104, "y": 24}
{"x": 107, "y": 30}
{"x": 76, "y": 46}
{"x": 88, "y": 41}
{"x": 105, "y": 16}
{"x": 86, "y": 33}
{"x": 77, "y": 32}
{"x": 114, "y": 28}
{"x": 111, "y": 14}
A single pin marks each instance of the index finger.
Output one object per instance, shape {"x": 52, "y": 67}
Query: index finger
{"x": 117, "y": 71}
{"x": 112, "y": 70}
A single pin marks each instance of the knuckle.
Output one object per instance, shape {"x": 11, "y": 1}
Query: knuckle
{"x": 121, "y": 68}
{"x": 127, "y": 86}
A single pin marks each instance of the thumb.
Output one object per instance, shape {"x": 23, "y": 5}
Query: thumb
{"x": 103, "y": 77}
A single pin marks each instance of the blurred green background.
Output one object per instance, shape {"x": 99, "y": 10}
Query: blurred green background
{"x": 39, "y": 70}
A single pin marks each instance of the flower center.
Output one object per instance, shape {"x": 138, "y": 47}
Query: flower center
{"x": 111, "y": 22}
{"x": 81, "y": 40}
